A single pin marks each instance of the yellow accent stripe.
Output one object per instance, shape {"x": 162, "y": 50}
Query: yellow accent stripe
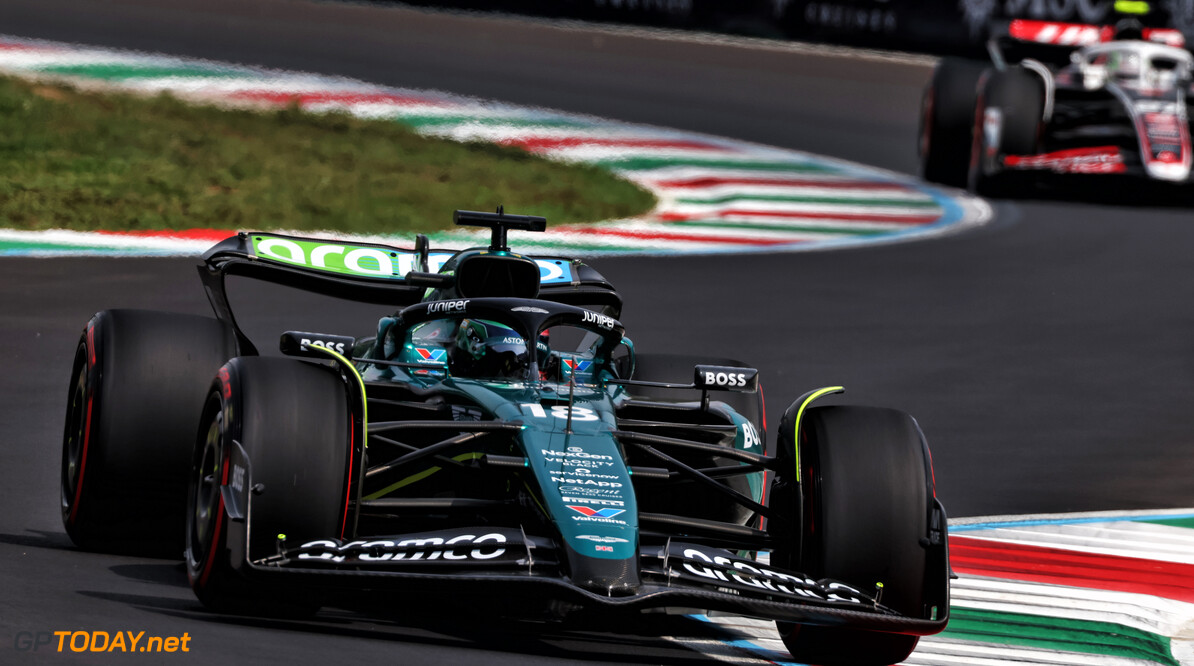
{"x": 360, "y": 382}
{"x": 414, "y": 478}
{"x": 800, "y": 415}
{"x": 532, "y": 494}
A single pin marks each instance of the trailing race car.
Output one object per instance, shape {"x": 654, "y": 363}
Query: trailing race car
{"x": 1060, "y": 99}
{"x": 498, "y": 434}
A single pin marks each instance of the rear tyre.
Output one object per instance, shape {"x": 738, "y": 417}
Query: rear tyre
{"x": 136, "y": 391}
{"x": 866, "y": 501}
{"x": 947, "y": 120}
{"x": 1016, "y": 98}
{"x": 292, "y": 423}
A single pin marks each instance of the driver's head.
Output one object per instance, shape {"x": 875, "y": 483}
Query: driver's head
{"x": 1128, "y": 28}
{"x": 487, "y": 349}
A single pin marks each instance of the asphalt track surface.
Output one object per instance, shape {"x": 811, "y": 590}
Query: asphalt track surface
{"x": 1047, "y": 356}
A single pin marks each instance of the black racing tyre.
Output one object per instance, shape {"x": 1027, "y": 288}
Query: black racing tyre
{"x": 1019, "y": 97}
{"x": 137, "y": 388}
{"x": 947, "y": 120}
{"x": 867, "y": 498}
{"x": 293, "y": 422}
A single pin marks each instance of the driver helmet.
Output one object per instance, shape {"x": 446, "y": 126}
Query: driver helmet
{"x": 487, "y": 349}
{"x": 1128, "y": 28}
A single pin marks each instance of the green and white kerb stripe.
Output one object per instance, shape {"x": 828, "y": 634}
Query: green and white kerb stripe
{"x": 715, "y": 194}
{"x": 1103, "y": 589}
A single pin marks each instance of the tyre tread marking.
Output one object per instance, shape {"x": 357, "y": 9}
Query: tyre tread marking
{"x": 344, "y": 362}
{"x": 74, "y": 508}
{"x": 805, "y": 400}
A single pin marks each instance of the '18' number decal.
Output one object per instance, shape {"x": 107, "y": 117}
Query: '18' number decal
{"x": 559, "y": 411}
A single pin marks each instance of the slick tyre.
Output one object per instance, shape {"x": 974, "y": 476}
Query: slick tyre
{"x": 1012, "y": 100}
{"x": 275, "y": 437}
{"x": 947, "y": 120}
{"x": 136, "y": 390}
{"x": 866, "y": 503}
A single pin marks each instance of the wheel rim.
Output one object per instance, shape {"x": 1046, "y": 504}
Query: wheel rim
{"x": 74, "y": 434}
{"x": 205, "y": 493}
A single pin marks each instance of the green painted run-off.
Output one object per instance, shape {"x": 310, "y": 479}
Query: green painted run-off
{"x": 1050, "y": 633}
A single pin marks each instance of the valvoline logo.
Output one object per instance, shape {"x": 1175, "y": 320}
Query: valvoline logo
{"x": 600, "y": 513}
{"x": 433, "y": 355}
{"x": 577, "y": 366}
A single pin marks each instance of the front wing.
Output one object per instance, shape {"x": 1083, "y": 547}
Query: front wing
{"x": 494, "y": 561}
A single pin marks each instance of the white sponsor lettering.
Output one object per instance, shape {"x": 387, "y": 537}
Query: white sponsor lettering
{"x": 560, "y": 412}
{"x": 428, "y": 548}
{"x": 601, "y": 539}
{"x": 750, "y": 436}
{"x": 599, "y": 502}
{"x": 721, "y": 568}
{"x": 447, "y": 307}
{"x": 352, "y": 261}
{"x": 579, "y": 463}
{"x": 730, "y": 379}
{"x": 586, "y": 482}
{"x": 599, "y": 319}
{"x": 272, "y": 246}
{"x": 320, "y": 253}
{"x": 238, "y": 478}
{"x": 576, "y": 452}
{"x": 334, "y": 346}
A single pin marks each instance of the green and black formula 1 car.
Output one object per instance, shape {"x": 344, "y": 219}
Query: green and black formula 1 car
{"x": 498, "y": 435}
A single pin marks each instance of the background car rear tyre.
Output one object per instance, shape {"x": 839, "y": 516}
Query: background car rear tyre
{"x": 137, "y": 387}
{"x": 947, "y": 120}
{"x": 292, "y": 419}
{"x": 866, "y": 502}
{"x": 1019, "y": 95}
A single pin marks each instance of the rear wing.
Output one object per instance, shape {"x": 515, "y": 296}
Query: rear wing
{"x": 370, "y": 272}
{"x": 1052, "y": 41}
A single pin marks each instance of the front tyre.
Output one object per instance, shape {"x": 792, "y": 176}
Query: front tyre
{"x": 866, "y": 506}
{"x": 276, "y": 439}
{"x": 1008, "y": 121}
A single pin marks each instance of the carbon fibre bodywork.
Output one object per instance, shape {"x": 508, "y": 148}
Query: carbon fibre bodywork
{"x": 578, "y": 482}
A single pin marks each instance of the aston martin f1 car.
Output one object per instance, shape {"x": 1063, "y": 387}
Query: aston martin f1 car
{"x": 1061, "y": 104}
{"x": 496, "y": 433}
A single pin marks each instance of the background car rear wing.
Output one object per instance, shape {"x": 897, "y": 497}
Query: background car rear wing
{"x": 1052, "y": 41}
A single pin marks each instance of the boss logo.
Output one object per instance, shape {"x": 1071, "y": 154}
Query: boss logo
{"x": 718, "y": 377}
{"x": 311, "y": 344}
{"x": 326, "y": 344}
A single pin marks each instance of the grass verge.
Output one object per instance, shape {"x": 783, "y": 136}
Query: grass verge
{"x": 84, "y": 160}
